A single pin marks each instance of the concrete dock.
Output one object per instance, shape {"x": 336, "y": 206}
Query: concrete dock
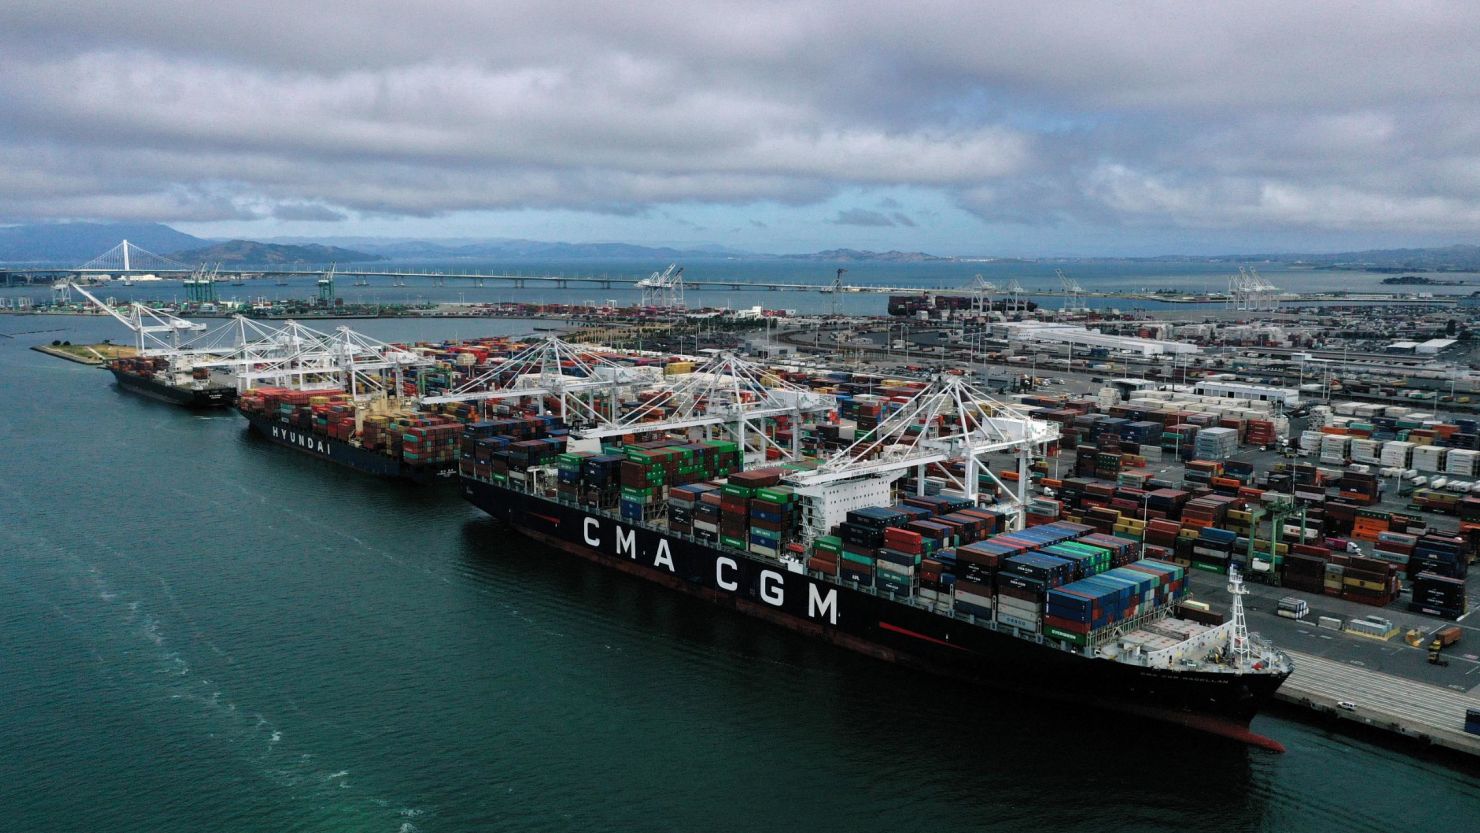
{"x": 1422, "y": 711}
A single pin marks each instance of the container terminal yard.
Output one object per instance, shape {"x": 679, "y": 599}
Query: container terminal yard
{"x": 1060, "y": 492}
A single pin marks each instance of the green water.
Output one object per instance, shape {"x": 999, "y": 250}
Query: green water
{"x": 200, "y": 631}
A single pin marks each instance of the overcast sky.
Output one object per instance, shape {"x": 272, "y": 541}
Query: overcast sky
{"x": 1021, "y": 128}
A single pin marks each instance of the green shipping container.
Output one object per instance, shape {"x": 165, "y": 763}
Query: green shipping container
{"x": 1067, "y": 636}
{"x": 736, "y": 543}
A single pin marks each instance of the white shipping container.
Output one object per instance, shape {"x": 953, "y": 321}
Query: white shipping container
{"x": 1030, "y": 625}
{"x": 1012, "y": 604}
{"x": 1366, "y": 451}
{"x": 1461, "y": 461}
{"x": 1428, "y": 458}
{"x": 972, "y": 598}
{"x": 1396, "y": 453}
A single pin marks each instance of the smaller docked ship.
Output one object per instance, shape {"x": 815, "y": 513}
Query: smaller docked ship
{"x": 156, "y": 378}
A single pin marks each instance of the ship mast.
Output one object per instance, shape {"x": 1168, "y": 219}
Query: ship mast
{"x": 1238, "y": 634}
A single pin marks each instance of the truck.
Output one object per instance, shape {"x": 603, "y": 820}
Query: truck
{"x": 1443, "y": 638}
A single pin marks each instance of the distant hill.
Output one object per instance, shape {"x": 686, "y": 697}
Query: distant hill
{"x": 1461, "y": 257}
{"x": 1456, "y": 258}
{"x": 854, "y": 255}
{"x": 71, "y": 244}
{"x": 250, "y": 253}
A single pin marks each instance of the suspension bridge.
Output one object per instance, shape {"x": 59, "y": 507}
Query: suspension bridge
{"x": 1247, "y": 291}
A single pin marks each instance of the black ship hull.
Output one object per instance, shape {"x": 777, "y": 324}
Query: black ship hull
{"x": 348, "y": 455}
{"x": 211, "y": 397}
{"x": 876, "y": 625}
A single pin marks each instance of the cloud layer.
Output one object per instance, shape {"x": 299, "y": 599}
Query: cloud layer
{"x": 1206, "y": 116}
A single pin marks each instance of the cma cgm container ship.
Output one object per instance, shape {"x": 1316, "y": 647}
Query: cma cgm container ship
{"x": 155, "y": 378}
{"x": 931, "y": 582}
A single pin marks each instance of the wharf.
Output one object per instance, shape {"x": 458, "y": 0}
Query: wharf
{"x": 95, "y": 355}
{"x": 1424, "y": 712}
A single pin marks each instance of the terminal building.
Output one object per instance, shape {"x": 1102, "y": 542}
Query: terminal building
{"x": 1287, "y": 397}
{"x": 1080, "y": 338}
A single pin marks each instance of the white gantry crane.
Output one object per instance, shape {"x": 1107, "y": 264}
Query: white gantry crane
{"x": 1073, "y": 292}
{"x": 949, "y": 420}
{"x": 1250, "y": 291}
{"x": 301, "y": 357}
{"x": 982, "y": 291}
{"x": 728, "y": 394}
{"x": 575, "y": 375}
{"x": 157, "y": 333}
{"x": 663, "y": 290}
{"x": 1015, "y": 301}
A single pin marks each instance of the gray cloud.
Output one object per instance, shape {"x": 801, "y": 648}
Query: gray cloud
{"x": 308, "y": 211}
{"x": 1320, "y": 115}
{"x": 861, "y": 217}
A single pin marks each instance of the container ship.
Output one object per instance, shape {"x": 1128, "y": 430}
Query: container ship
{"x": 421, "y": 446}
{"x": 864, "y": 549}
{"x": 155, "y": 378}
{"x": 395, "y": 412}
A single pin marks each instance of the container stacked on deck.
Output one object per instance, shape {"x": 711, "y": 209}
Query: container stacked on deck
{"x": 683, "y": 504}
{"x": 862, "y": 535}
{"x": 827, "y": 551}
{"x": 734, "y": 504}
{"x": 649, "y": 469}
{"x": 569, "y": 468}
{"x": 1077, "y": 611}
{"x": 144, "y": 366}
{"x": 773, "y": 519}
{"x": 431, "y": 440}
{"x": 979, "y": 566}
{"x": 488, "y": 447}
